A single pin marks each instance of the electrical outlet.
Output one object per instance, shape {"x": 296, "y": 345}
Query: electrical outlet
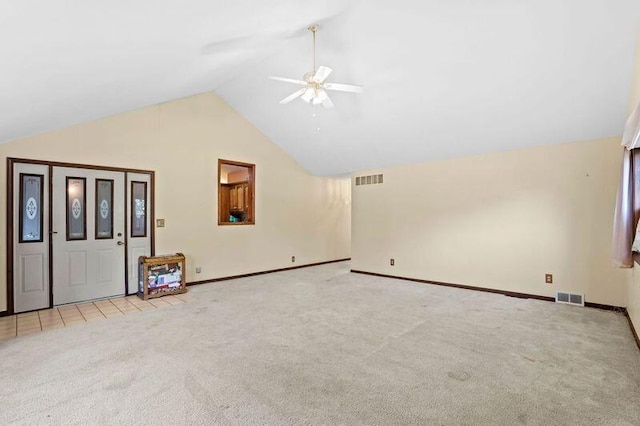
{"x": 160, "y": 223}
{"x": 198, "y": 269}
{"x": 548, "y": 278}
{"x": 293, "y": 259}
{"x": 392, "y": 262}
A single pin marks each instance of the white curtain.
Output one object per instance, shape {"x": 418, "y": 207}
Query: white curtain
{"x": 631, "y": 136}
{"x": 627, "y": 211}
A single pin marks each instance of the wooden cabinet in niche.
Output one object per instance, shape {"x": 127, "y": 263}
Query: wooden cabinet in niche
{"x": 236, "y": 189}
{"x": 238, "y": 197}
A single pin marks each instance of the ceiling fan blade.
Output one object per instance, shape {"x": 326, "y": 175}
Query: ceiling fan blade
{"x": 322, "y": 74}
{"x": 309, "y": 93}
{"x": 327, "y": 103}
{"x": 321, "y": 95}
{"x": 343, "y": 87}
{"x": 289, "y": 80}
{"x": 292, "y": 96}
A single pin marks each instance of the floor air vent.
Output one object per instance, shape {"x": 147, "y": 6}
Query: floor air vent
{"x": 570, "y": 298}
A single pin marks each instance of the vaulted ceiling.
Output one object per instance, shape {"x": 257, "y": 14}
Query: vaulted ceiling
{"x": 442, "y": 78}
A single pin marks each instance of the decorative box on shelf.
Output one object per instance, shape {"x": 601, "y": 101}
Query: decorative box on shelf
{"x": 161, "y": 275}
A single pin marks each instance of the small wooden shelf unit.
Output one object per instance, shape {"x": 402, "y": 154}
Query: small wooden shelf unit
{"x": 161, "y": 275}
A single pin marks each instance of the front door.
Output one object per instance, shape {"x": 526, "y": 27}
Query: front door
{"x": 88, "y": 234}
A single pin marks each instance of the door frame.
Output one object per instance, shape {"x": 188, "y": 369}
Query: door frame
{"x": 51, "y": 164}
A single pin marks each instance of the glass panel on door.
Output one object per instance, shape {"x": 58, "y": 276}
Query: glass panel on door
{"x": 104, "y": 209}
{"x": 76, "y": 209}
{"x": 31, "y": 208}
{"x": 138, "y": 210}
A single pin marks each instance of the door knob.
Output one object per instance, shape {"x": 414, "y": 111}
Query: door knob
{"x": 120, "y": 243}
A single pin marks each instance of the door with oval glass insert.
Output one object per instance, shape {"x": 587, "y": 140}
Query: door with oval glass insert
{"x": 30, "y": 224}
{"x": 88, "y": 234}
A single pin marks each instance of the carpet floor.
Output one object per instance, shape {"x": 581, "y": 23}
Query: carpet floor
{"x": 323, "y": 346}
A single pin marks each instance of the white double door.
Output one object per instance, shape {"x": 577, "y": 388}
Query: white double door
{"x": 91, "y": 253}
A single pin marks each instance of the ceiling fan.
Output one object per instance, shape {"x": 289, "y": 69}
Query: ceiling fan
{"x": 315, "y": 88}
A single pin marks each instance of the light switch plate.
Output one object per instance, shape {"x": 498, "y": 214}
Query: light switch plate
{"x": 160, "y": 223}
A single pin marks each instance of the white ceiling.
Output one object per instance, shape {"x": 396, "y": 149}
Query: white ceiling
{"x": 442, "y": 78}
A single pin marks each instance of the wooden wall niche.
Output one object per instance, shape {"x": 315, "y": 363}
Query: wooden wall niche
{"x": 236, "y": 193}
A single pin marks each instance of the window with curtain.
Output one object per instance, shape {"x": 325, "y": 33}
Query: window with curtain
{"x": 626, "y": 239}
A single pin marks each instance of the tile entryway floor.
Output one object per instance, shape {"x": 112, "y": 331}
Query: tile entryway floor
{"x": 68, "y": 315}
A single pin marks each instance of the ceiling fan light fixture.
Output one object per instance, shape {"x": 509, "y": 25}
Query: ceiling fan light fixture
{"x": 308, "y": 95}
{"x": 315, "y": 84}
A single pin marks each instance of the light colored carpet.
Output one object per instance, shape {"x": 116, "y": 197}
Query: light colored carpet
{"x": 323, "y": 346}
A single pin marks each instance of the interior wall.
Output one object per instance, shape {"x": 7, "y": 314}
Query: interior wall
{"x": 501, "y": 221}
{"x": 633, "y": 287}
{"x": 296, "y": 214}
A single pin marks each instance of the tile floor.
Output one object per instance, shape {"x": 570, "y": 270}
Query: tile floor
{"x": 68, "y": 315}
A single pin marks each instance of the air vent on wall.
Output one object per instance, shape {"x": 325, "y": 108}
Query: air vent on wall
{"x": 570, "y": 298}
{"x": 369, "y": 180}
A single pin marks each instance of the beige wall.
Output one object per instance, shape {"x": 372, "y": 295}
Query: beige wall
{"x": 296, "y": 213}
{"x": 500, "y": 220}
{"x": 635, "y": 87}
{"x": 633, "y": 298}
